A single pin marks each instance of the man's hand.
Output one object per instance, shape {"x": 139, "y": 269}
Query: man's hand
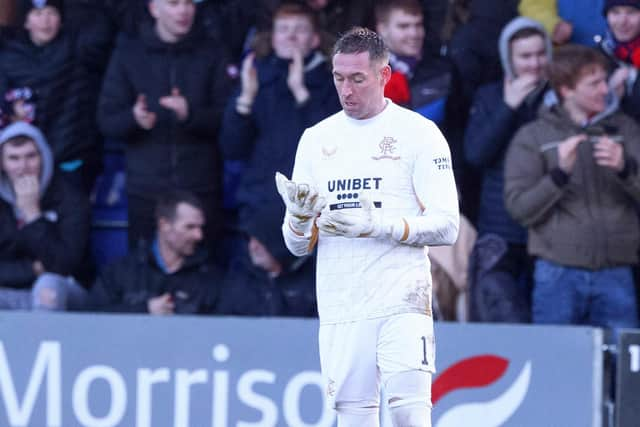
{"x": 302, "y": 202}
{"x": 176, "y": 103}
{"x": 609, "y": 153}
{"x": 516, "y": 90}
{"x": 145, "y": 118}
{"x": 295, "y": 78}
{"x": 568, "y": 152}
{"x": 354, "y": 222}
{"x": 358, "y": 222}
{"x": 562, "y": 32}
{"x": 249, "y": 81}
{"x": 38, "y": 267}
{"x": 27, "y": 190}
{"x": 161, "y": 305}
{"x": 20, "y": 111}
{"x": 618, "y": 80}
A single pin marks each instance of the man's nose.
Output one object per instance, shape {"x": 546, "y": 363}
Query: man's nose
{"x": 346, "y": 89}
{"x": 197, "y": 234}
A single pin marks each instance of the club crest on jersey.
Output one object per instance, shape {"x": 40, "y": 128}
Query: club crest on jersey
{"x": 328, "y": 152}
{"x": 387, "y": 148}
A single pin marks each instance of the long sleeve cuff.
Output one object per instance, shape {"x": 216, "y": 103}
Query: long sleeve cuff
{"x": 559, "y": 177}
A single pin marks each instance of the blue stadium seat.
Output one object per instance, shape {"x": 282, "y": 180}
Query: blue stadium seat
{"x": 109, "y": 211}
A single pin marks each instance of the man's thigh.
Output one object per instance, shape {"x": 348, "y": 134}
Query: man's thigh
{"x": 15, "y": 299}
{"x": 355, "y": 355}
{"x": 406, "y": 342}
{"x": 614, "y": 301}
{"x": 348, "y": 361}
{"x": 557, "y": 296}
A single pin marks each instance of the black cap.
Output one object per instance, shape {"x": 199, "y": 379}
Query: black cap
{"x": 608, "y": 4}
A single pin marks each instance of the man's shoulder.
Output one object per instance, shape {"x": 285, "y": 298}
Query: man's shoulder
{"x": 137, "y": 259}
{"x": 622, "y": 120}
{"x": 409, "y": 119}
{"x": 126, "y": 41}
{"x": 545, "y": 128}
{"x": 490, "y": 91}
{"x": 328, "y": 124}
{"x": 60, "y": 193}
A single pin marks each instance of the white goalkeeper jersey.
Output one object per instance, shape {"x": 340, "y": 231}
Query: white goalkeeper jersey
{"x": 402, "y": 162}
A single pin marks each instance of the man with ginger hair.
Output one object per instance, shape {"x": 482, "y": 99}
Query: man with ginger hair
{"x": 374, "y": 183}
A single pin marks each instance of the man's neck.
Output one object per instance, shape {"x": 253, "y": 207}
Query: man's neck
{"x": 579, "y": 116}
{"x": 172, "y": 260}
{"x": 166, "y": 36}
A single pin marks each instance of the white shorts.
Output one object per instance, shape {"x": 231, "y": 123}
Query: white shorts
{"x": 356, "y": 357}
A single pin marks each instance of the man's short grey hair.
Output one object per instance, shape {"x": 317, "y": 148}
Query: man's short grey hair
{"x": 359, "y": 40}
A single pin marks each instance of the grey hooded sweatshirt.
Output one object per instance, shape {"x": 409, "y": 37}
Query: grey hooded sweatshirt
{"x": 32, "y": 132}
{"x": 58, "y": 238}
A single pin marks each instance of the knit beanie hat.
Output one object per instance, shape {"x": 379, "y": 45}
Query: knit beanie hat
{"x": 265, "y": 224}
{"x": 27, "y": 5}
{"x": 608, "y": 4}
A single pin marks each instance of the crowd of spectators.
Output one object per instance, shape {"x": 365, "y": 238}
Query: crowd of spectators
{"x": 539, "y": 101}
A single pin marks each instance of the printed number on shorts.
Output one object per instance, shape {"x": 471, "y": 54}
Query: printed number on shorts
{"x": 425, "y": 362}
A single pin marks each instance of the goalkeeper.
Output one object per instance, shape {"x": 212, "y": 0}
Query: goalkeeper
{"x": 374, "y": 183}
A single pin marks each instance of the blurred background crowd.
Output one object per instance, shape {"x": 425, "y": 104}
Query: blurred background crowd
{"x": 139, "y": 141}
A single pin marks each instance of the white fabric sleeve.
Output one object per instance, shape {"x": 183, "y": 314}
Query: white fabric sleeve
{"x": 299, "y": 245}
{"x": 437, "y": 194}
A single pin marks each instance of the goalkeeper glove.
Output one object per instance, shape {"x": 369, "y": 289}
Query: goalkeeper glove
{"x": 360, "y": 222}
{"x": 302, "y": 202}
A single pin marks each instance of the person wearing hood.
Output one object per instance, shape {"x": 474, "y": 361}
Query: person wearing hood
{"x": 45, "y": 80}
{"x": 288, "y": 77}
{"x": 501, "y": 287}
{"x": 172, "y": 274}
{"x": 621, "y": 44}
{"x": 473, "y": 51}
{"x": 44, "y": 227}
{"x": 265, "y": 279}
{"x": 571, "y": 178}
{"x": 163, "y": 95}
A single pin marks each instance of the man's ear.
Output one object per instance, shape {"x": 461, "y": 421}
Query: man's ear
{"x": 382, "y": 29}
{"x": 315, "y": 42}
{"x": 153, "y": 9}
{"x": 385, "y": 73}
{"x": 162, "y": 224}
{"x": 565, "y": 92}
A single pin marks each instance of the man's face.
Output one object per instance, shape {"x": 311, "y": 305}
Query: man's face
{"x": 183, "y": 234}
{"x": 529, "y": 57}
{"x": 360, "y": 84}
{"x": 403, "y": 33}
{"x": 317, "y": 4}
{"x": 43, "y": 24}
{"x": 21, "y": 160}
{"x": 590, "y": 93}
{"x": 174, "y": 18}
{"x": 293, "y": 33}
{"x": 624, "y": 22}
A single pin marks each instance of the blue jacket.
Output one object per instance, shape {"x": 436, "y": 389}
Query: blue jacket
{"x": 267, "y": 139}
{"x": 491, "y": 126}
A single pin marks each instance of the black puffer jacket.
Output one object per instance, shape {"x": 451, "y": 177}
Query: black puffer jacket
{"x": 251, "y": 291}
{"x": 59, "y": 81}
{"x": 58, "y": 239}
{"x": 173, "y": 153}
{"x": 128, "y": 284}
